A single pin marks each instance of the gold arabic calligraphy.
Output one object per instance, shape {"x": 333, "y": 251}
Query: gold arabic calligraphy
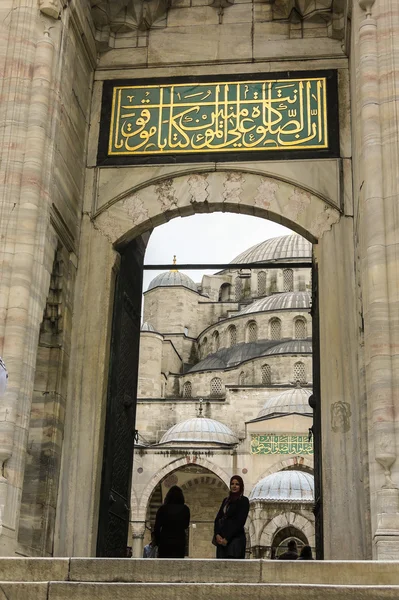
{"x": 214, "y": 117}
{"x": 281, "y": 444}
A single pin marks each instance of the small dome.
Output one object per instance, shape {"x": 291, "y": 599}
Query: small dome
{"x": 285, "y": 486}
{"x": 172, "y": 278}
{"x": 146, "y": 326}
{"x": 291, "y": 401}
{"x": 199, "y": 430}
{"x": 284, "y": 247}
{"x": 283, "y": 301}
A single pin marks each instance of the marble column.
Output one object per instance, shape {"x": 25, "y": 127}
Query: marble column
{"x": 138, "y": 530}
{"x": 377, "y": 32}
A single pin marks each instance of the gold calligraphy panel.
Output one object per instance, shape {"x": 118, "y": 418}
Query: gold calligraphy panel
{"x": 286, "y": 114}
{"x": 281, "y": 444}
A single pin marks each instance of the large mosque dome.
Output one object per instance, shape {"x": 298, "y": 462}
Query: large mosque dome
{"x": 286, "y": 247}
{"x": 291, "y": 401}
{"x": 172, "y": 278}
{"x": 200, "y": 430}
{"x": 282, "y": 301}
{"x": 285, "y": 486}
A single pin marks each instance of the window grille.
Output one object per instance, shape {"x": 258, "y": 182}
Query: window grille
{"x": 299, "y": 372}
{"x": 216, "y": 387}
{"x": 241, "y": 379}
{"x": 252, "y": 331}
{"x": 238, "y": 289}
{"x": 275, "y": 329}
{"x": 288, "y": 280}
{"x": 266, "y": 374}
{"x": 300, "y": 329}
{"x": 232, "y": 334}
{"x": 261, "y": 283}
{"x": 216, "y": 341}
{"x": 187, "y": 390}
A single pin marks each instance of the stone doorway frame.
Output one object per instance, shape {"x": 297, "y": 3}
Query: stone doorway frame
{"x": 135, "y": 211}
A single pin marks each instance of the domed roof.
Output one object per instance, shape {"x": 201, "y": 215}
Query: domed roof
{"x": 146, "y": 326}
{"x": 283, "y": 301}
{"x": 285, "y": 486}
{"x": 226, "y": 358}
{"x": 200, "y": 430}
{"x": 295, "y": 400}
{"x": 172, "y": 278}
{"x": 285, "y": 247}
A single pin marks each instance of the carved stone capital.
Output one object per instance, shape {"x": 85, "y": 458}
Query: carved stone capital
{"x": 50, "y": 8}
{"x": 221, "y": 3}
{"x": 366, "y": 5}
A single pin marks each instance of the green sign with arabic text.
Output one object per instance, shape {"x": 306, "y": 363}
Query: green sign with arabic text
{"x": 281, "y": 444}
{"x": 184, "y": 118}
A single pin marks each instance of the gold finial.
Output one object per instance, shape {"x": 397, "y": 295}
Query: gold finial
{"x": 174, "y": 262}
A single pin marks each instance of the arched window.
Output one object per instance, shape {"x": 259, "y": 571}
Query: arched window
{"x": 232, "y": 335}
{"x": 216, "y": 387}
{"x": 238, "y": 289}
{"x": 241, "y": 379}
{"x": 205, "y": 345}
{"x": 215, "y": 341}
{"x": 187, "y": 390}
{"x": 299, "y": 372}
{"x": 275, "y": 329}
{"x": 224, "y": 292}
{"x": 266, "y": 374}
{"x": 300, "y": 329}
{"x": 288, "y": 280}
{"x": 262, "y": 283}
{"x": 251, "y": 332}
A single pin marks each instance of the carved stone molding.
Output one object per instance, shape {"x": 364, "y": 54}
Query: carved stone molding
{"x": 50, "y": 8}
{"x": 330, "y": 12}
{"x": 120, "y": 17}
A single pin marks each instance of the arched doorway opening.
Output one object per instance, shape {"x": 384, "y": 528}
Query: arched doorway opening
{"x": 283, "y": 537}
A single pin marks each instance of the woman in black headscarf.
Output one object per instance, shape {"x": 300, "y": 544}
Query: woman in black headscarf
{"x": 229, "y": 534}
{"x": 171, "y": 522}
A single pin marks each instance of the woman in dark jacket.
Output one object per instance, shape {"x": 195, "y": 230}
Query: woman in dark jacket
{"x": 229, "y": 534}
{"x": 171, "y": 522}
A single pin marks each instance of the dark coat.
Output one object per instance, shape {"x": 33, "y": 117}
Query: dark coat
{"x": 171, "y": 523}
{"x": 289, "y": 555}
{"x": 230, "y": 525}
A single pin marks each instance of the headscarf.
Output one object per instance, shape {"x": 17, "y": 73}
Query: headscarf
{"x": 236, "y": 495}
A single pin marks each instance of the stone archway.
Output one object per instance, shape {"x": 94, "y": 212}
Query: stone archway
{"x": 292, "y": 462}
{"x": 121, "y": 216}
{"x": 285, "y": 520}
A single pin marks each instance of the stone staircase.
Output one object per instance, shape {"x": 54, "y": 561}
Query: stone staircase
{"x": 138, "y": 579}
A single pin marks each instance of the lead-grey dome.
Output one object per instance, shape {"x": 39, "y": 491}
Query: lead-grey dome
{"x": 283, "y": 301}
{"x": 146, "y": 326}
{"x": 172, "y": 278}
{"x": 200, "y": 430}
{"x": 285, "y": 486}
{"x": 291, "y": 401}
{"x": 285, "y": 247}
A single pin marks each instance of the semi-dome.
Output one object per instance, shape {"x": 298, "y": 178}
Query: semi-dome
{"x": 286, "y": 247}
{"x": 200, "y": 430}
{"x": 285, "y": 486}
{"x": 146, "y": 326}
{"x": 291, "y": 401}
{"x": 282, "y": 301}
{"x": 291, "y": 347}
{"x": 172, "y": 278}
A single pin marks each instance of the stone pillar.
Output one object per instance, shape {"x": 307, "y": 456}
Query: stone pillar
{"x": 138, "y": 530}
{"x": 25, "y": 202}
{"x": 378, "y": 34}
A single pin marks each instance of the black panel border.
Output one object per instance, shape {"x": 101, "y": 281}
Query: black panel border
{"x": 333, "y": 151}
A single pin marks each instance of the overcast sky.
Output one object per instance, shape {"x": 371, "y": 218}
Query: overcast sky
{"x": 202, "y": 238}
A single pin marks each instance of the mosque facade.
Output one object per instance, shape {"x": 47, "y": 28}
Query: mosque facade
{"x": 117, "y": 116}
{"x": 225, "y": 377}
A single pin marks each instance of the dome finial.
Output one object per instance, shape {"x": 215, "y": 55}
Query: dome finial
{"x": 200, "y": 408}
{"x": 174, "y": 262}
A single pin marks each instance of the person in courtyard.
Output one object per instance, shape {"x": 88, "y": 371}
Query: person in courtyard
{"x": 306, "y": 553}
{"x": 291, "y": 553}
{"x": 171, "y": 522}
{"x": 151, "y": 549}
{"x": 229, "y": 535}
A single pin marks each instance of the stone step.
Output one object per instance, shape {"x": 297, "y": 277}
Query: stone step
{"x": 199, "y": 571}
{"x": 68, "y": 590}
